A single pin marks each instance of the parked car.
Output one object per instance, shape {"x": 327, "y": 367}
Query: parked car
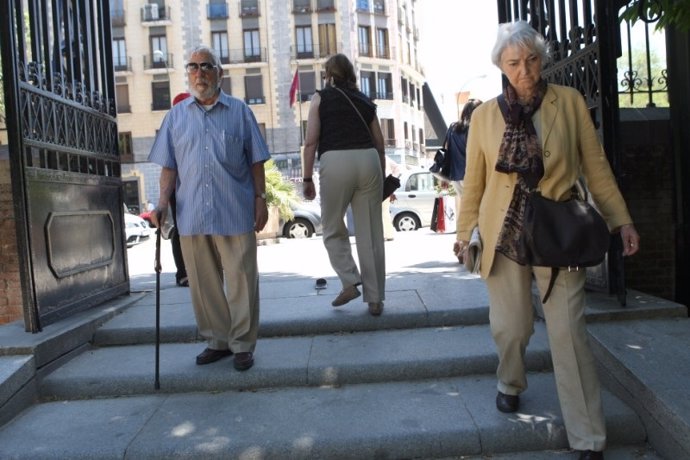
{"x": 306, "y": 221}
{"x": 146, "y": 215}
{"x": 136, "y": 229}
{"x": 414, "y": 203}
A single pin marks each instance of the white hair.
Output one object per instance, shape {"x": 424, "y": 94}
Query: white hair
{"x": 519, "y": 33}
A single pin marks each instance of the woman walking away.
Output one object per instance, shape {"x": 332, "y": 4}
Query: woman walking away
{"x": 343, "y": 127}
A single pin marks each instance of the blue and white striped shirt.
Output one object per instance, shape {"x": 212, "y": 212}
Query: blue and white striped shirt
{"x": 213, "y": 152}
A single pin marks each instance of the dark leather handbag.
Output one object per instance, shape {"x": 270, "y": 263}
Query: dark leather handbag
{"x": 390, "y": 185}
{"x": 563, "y": 234}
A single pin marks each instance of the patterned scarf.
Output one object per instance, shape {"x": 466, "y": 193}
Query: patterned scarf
{"x": 520, "y": 152}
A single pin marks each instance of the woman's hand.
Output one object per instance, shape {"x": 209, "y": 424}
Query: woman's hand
{"x": 308, "y": 190}
{"x": 459, "y": 249}
{"x": 630, "y": 238}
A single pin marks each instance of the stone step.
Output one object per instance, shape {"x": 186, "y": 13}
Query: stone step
{"x": 434, "y": 418}
{"x": 332, "y": 359}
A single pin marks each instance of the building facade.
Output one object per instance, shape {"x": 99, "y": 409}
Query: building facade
{"x": 263, "y": 45}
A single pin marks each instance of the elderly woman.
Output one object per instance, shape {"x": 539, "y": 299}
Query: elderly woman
{"x": 345, "y": 129}
{"x": 548, "y": 141}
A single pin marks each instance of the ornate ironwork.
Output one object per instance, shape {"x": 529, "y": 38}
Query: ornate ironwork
{"x": 65, "y": 166}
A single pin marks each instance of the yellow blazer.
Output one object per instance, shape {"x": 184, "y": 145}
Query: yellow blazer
{"x": 571, "y": 149}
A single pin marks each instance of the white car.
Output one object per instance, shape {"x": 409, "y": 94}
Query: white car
{"x": 136, "y": 229}
{"x": 414, "y": 203}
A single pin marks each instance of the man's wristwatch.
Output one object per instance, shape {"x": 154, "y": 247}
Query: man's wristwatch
{"x": 261, "y": 195}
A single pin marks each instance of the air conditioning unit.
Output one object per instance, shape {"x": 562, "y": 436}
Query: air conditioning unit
{"x": 151, "y": 11}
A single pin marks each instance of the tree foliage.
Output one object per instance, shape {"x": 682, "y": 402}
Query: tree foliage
{"x": 663, "y": 13}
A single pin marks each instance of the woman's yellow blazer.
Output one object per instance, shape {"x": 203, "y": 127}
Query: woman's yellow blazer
{"x": 571, "y": 149}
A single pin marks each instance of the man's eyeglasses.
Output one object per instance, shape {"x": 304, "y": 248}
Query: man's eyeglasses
{"x": 194, "y": 67}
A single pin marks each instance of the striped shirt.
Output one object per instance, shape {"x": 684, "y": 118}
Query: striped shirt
{"x": 213, "y": 151}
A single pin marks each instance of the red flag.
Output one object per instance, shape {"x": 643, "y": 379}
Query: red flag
{"x": 294, "y": 88}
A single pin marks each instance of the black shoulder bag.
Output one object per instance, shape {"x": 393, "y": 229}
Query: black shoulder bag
{"x": 562, "y": 234}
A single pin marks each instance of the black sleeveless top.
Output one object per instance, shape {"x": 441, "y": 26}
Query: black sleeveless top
{"x": 341, "y": 127}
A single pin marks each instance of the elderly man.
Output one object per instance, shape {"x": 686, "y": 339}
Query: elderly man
{"x": 212, "y": 153}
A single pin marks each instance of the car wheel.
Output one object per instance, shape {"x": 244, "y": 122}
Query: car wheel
{"x": 299, "y": 228}
{"x": 406, "y": 222}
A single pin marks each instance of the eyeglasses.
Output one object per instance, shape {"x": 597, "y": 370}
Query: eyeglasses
{"x": 194, "y": 67}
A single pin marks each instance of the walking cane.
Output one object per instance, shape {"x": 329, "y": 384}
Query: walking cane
{"x": 157, "y": 384}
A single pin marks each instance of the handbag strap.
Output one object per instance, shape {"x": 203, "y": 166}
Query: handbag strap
{"x": 356, "y": 110}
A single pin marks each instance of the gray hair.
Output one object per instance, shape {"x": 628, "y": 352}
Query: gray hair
{"x": 519, "y": 33}
{"x": 207, "y": 50}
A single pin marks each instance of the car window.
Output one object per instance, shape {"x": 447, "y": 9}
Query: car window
{"x": 420, "y": 182}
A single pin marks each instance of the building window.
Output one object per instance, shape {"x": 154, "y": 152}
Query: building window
{"x": 305, "y": 47}
{"x": 249, "y": 8}
{"x": 325, "y": 5}
{"x": 382, "y": 44}
{"x": 254, "y": 89}
{"x": 124, "y": 146}
{"x": 366, "y": 84}
{"x": 403, "y": 84}
{"x": 301, "y": 6}
{"x": 388, "y": 131}
{"x": 122, "y": 98}
{"x": 384, "y": 86}
{"x": 379, "y": 7}
{"x": 307, "y": 85}
{"x": 225, "y": 85}
{"x": 160, "y": 95}
{"x": 217, "y": 10}
{"x": 413, "y": 93}
{"x": 327, "y": 40}
{"x": 364, "y": 41}
{"x": 119, "y": 55}
{"x": 252, "y": 46}
{"x": 219, "y": 41}
{"x": 159, "y": 43}
{"x": 363, "y": 5}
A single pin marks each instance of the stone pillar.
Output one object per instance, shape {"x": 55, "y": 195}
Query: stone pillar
{"x": 11, "y": 302}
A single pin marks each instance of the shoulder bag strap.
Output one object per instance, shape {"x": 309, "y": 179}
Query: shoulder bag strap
{"x": 354, "y": 107}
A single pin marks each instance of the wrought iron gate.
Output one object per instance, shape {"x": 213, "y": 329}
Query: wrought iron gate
{"x": 585, "y": 41}
{"x": 57, "y": 63}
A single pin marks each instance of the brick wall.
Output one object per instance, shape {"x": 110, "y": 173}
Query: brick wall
{"x": 648, "y": 188}
{"x": 11, "y": 305}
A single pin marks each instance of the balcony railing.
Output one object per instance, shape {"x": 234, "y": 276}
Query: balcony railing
{"x": 316, "y": 52}
{"x": 249, "y": 8}
{"x": 217, "y": 11}
{"x": 325, "y": 5}
{"x": 152, "y": 61}
{"x": 118, "y": 18}
{"x": 383, "y": 53}
{"x": 301, "y": 6}
{"x": 255, "y": 100}
{"x": 122, "y": 63}
{"x": 242, "y": 56}
{"x": 151, "y": 12}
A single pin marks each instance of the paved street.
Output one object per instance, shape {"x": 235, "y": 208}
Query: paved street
{"x": 422, "y": 251}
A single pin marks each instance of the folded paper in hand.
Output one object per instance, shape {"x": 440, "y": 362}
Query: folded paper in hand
{"x": 473, "y": 255}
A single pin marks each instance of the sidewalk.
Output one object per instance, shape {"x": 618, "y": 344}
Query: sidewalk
{"x": 319, "y": 369}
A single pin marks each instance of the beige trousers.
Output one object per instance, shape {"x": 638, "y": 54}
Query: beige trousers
{"x": 228, "y": 318}
{"x": 354, "y": 178}
{"x": 511, "y": 316}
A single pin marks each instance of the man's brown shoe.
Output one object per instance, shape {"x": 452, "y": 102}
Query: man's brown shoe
{"x": 507, "y": 403}
{"x": 210, "y": 355}
{"x": 243, "y": 360}
{"x": 347, "y": 294}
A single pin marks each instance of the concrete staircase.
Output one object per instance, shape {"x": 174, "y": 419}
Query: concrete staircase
{"x": 417, "y": 382}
